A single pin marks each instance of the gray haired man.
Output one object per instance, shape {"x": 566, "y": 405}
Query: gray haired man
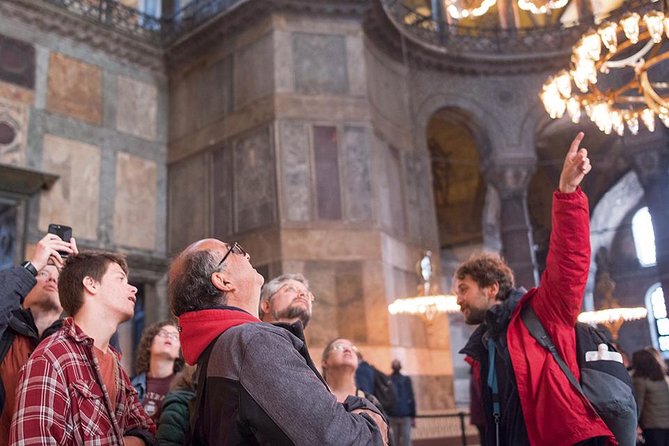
{"x": 286, "y": 299}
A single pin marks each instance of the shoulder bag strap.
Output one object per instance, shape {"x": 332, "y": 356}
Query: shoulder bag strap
{"x": 538, "y": 332}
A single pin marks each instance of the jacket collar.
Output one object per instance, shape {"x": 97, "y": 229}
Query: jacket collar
{"x": 199, "y": 328}
{"x": 496, "y": 321}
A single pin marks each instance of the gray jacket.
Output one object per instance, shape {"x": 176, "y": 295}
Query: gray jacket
{"x": 259, "y": 390}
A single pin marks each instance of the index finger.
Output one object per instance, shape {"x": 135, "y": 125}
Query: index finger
{"x": 575, "y": 143}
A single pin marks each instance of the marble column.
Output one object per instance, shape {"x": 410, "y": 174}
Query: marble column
{"x": 649, "y": 156}
{"x": 510, "y": 181}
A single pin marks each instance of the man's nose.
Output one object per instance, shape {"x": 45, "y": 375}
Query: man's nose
{"x": 133, "y": 289}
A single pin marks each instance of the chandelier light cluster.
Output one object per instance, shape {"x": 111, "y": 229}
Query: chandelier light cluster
{"x": 611, "y": 315}
{"x": 610, "y": 76}
{"x": 425, "y": 306}
{"x": 462, "y": 9}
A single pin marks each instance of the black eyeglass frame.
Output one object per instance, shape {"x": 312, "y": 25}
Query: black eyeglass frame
{"x": 235, "y": 248}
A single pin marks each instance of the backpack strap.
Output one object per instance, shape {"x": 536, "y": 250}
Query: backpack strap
{"x": 538, "y": 332}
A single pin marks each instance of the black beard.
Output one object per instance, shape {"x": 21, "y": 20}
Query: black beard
{"x": 294, "y": 311}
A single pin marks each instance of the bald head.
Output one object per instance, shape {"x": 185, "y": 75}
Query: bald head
{"x": 198, "y": 280}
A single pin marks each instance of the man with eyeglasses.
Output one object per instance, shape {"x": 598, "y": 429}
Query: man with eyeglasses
{"x": 254, "y": 386}
{"x": 286, "y": 302}
{"x": 29, "y": 311}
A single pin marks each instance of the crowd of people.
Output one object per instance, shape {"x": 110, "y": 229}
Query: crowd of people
{"x": 233, "y": 367}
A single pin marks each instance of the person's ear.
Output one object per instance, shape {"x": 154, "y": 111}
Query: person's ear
{"x": 90, "y": 285}
{"x": 492, "y": 291}
{"x": 264, "y": 306}
{"x": 220, "y": 282}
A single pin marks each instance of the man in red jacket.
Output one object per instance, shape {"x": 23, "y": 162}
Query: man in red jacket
{"x": 527, "y": 398}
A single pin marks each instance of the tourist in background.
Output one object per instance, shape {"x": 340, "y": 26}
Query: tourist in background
{"x": 651, "y": 389}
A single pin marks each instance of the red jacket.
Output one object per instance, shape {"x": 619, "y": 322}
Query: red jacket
{"x": 555, "y": 413}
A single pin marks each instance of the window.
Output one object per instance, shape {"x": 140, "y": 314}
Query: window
{"x": 644, "y": 237}
{"x": 657, "y": 318}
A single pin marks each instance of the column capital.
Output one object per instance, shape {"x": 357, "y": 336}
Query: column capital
{"x": 648, "y": 155}
{"x": 510, "y": 178}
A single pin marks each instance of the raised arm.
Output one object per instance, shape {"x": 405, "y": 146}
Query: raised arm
{"x": 560, "y": 293}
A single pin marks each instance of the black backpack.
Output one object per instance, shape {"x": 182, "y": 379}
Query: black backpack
{"x": 384, "y": 390}
{"x": 605, "y": 383}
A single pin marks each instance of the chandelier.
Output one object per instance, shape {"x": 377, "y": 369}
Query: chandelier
{"x": 462, "y": 9}
{"x": 615, "y": 75}
{"x": 612, "y": 315}
{"x": 426, "y": 304}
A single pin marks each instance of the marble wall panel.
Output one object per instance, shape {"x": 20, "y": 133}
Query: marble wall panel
{"x": 391, "y": 191}
{"x": 357, "y": 186}
{"x": 420, "y": 207}
{"x": 320, "y": 64}
{"x": 295, "y": 169}
{"x": 74, "y": 89}
{"x": 13, "y": 132}
{"x": 215, "y": 91}
{"x": 326, "y": 163}
{"x": 74, "y": 199}
{"x": 322, "y": 282}
{"x": 188, "y": 201}
{"x": 254, "y": 72}
{"x": 255, "y": 180}
{"x": 433, "y": 392}
{"x": 136, "y": 108}
{"x": 135, "y": 202}
{"x": 222, "y": 193}
{"x": 355, "y": 56}
{"x": 351, "y": 309}
{"x": 388, "y": 91}
{"x": 17, "y": 62}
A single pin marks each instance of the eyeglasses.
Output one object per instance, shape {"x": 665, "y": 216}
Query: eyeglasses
{"x": 296, "y": 291}
{"x": 343, "y": 347}
{"x": 235, "y": 248}
{"x": 168, "y": 334}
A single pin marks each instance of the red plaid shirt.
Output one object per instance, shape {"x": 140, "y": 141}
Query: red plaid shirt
{"x": 61, "y": 398}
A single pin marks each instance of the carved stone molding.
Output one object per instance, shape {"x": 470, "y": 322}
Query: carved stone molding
{"x": 648, "y": 155}
{"x": 510, "y": 180}
{"x": 52, "y": 19}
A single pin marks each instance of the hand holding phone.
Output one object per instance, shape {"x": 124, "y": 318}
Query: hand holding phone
{"x": 51, "y": 248}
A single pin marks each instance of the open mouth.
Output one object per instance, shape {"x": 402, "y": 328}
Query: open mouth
{"x": 133, "y": 299}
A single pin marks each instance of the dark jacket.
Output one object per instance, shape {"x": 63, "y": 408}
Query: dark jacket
{"x": 405, "y": 404}
{"x": 258, "y": 389}
{"x": 554, "y": 412}
{"x": 15, "y": 284}
{"x": 174, "y": 423}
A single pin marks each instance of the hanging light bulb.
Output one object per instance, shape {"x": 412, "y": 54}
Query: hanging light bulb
{"x": 591, "y": 45}
{"x": 665, "y": 119}
{"x": 609, "y": 34}
{"x": 574, "y": 110}
{"x": 633, "y": 124}
{"x": 617, "y": 122}
{"x": 554, "y": 104}
{"x": 563, "y": 81}
{"x": 648, "y": 119}
{"x": 630, "y": 24}
{"x": 655, "y": 25}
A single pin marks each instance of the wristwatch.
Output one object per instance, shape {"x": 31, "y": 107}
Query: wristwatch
{"x": 30, "y": 267}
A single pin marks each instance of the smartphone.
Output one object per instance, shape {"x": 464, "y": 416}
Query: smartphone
{"x": 62, "y": 231}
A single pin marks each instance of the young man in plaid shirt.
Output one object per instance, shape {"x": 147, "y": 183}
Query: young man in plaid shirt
{"x": 73, "y": 389}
